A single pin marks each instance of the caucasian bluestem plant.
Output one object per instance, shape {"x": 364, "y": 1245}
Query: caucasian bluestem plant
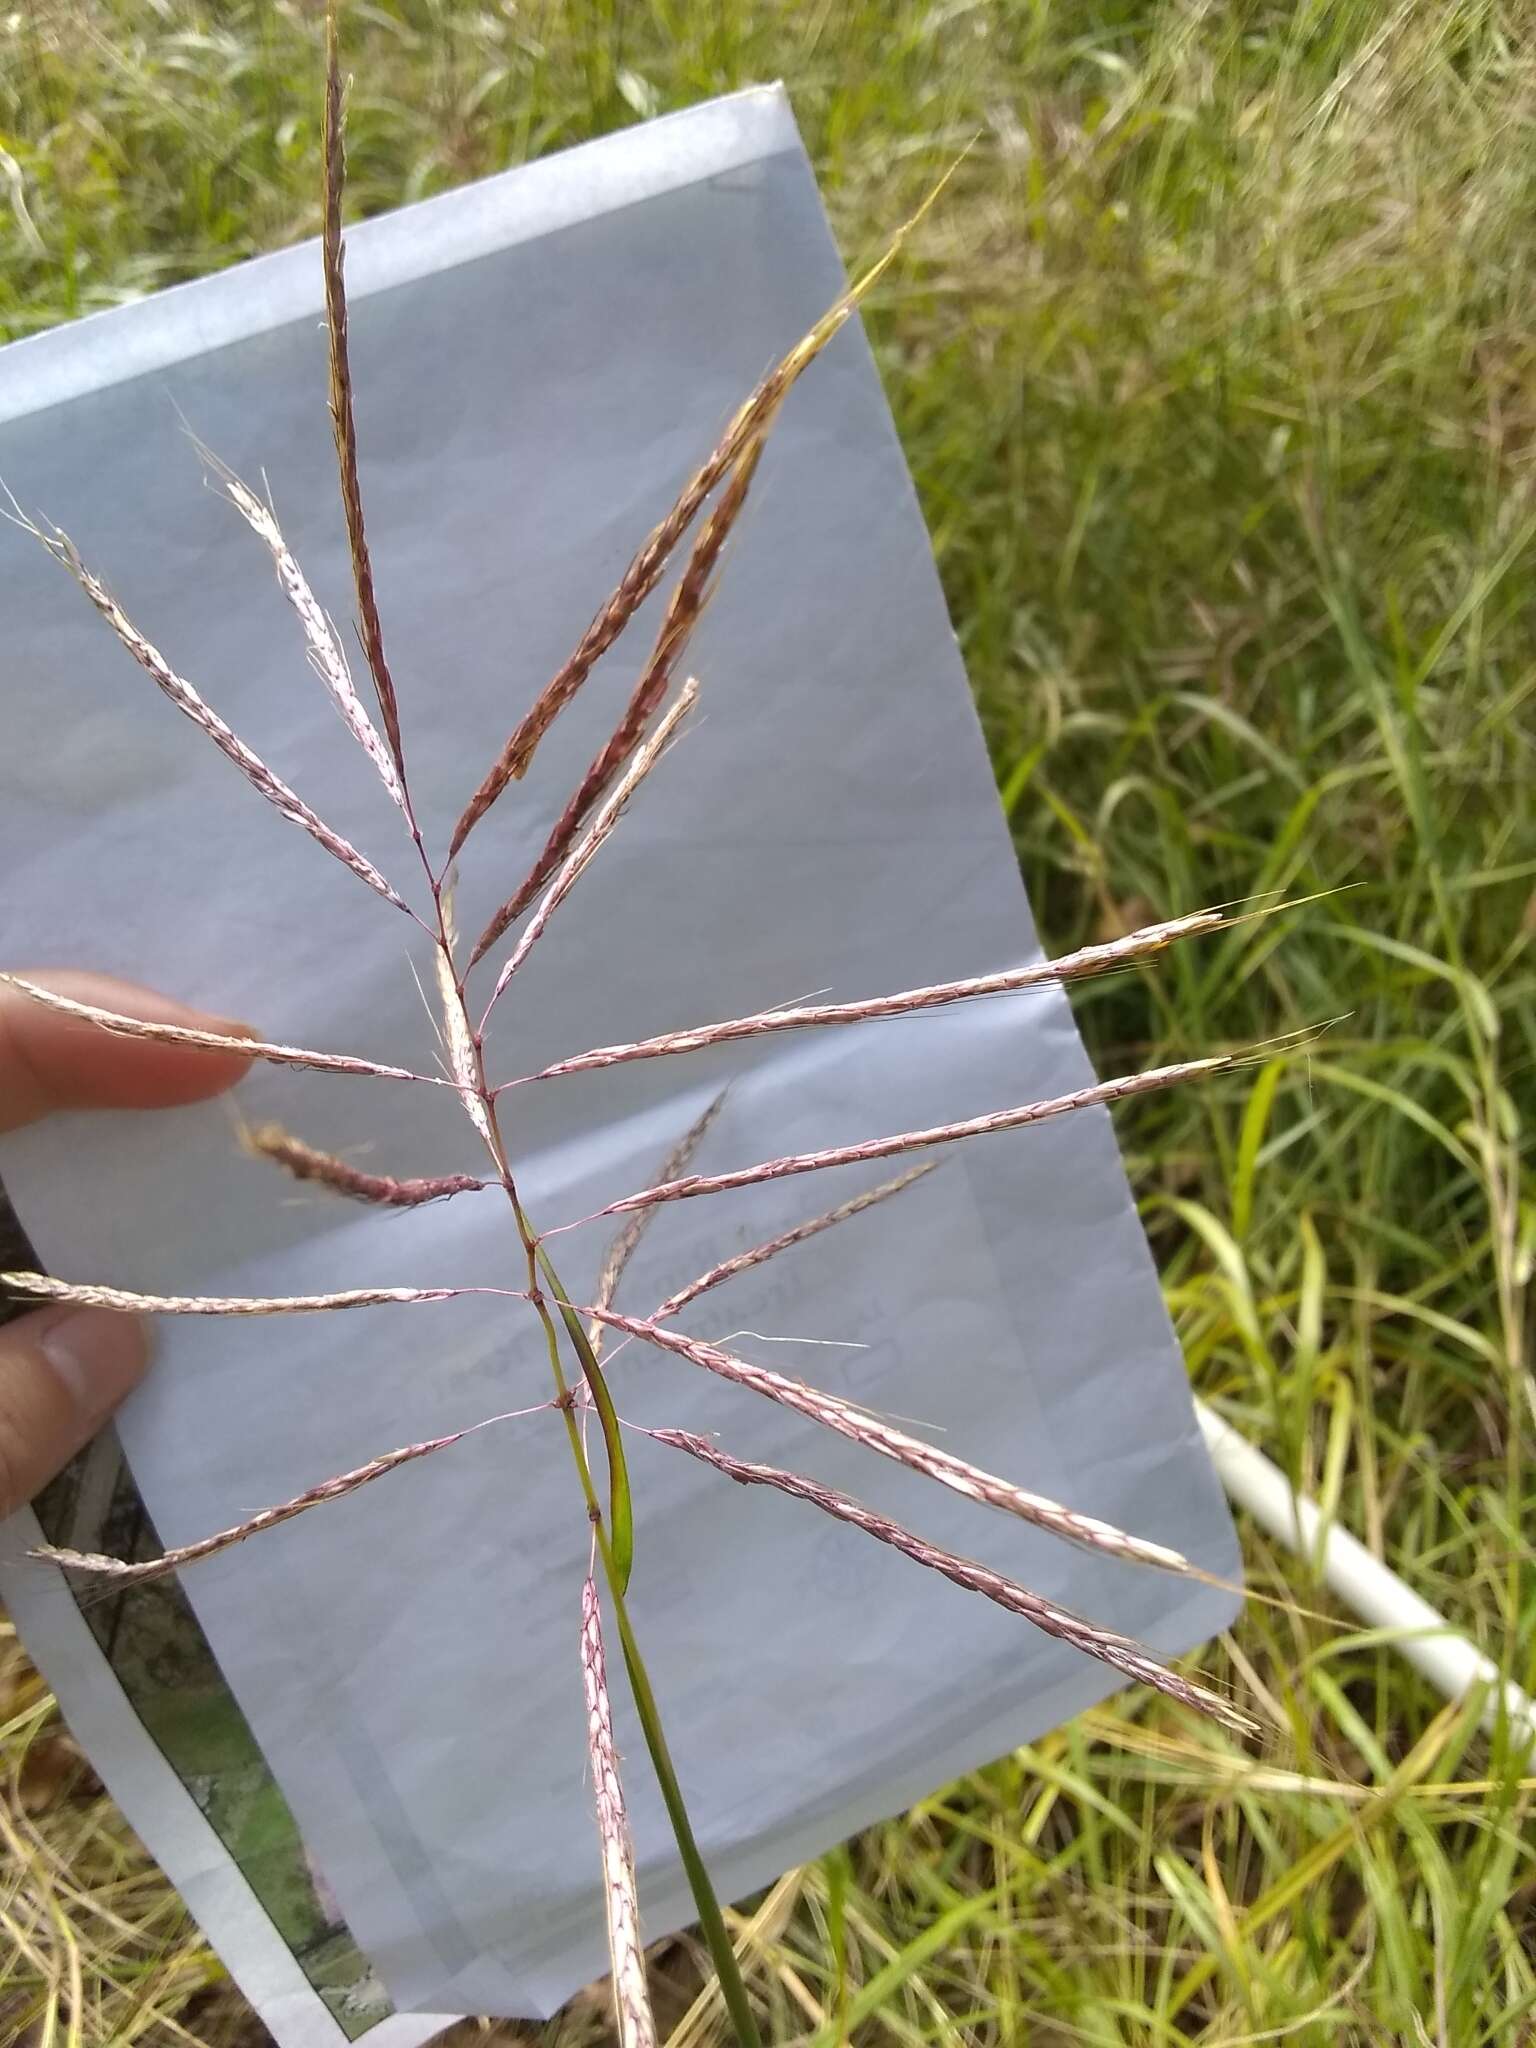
{"x": 575, "y": 1333}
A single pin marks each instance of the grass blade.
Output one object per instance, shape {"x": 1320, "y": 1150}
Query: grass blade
{"x": 621, "y": 1507}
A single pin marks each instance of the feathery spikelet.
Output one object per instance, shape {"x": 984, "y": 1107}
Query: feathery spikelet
{"x": 676, "y": 630}
{"x": 744, "y": 1261}
{"x": 271, "y": 1141}
{"x": 744, "y": 436}
{"x": 915, "y": 1141}
{"x": 1085, "y": 962}
{"x": 639, "y": 581}
{"x": 326, "y": 657}
{"x": 463, "y": 1051}
{"x": 124, "y": 1573}
{"x": 634, "y": 1226}
{"x": 631, "y": 1998}
{"x": 43, "y": 1287}
{"x": 210, "y": 1041}
{"x": 580, "y": 854}
{"x": 343, "y": 422}
{"x": 1123, "y": 1653}
{"x": 190, "y": 703}
{"x": 862, "y": 1428}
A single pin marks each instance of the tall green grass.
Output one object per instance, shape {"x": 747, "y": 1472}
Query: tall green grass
{"x": 1217, "y": 375}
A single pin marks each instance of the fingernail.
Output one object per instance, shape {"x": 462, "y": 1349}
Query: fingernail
{"x": 98, "y": 1356}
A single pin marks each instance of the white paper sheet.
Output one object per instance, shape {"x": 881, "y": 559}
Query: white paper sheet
{"x": 540, "y": 362}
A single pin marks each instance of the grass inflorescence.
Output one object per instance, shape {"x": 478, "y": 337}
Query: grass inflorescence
{"x": 1214, "y": 371}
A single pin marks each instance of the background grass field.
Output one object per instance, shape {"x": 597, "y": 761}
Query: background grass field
{"x": 1216, "y": 374}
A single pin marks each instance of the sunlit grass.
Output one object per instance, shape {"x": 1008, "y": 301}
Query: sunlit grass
{"x": 1216, "y": 374}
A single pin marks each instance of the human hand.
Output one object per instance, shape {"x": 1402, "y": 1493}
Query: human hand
{"x": 64, "y": 1369}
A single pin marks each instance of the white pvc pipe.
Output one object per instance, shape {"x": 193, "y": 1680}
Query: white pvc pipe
{"x": 1451, "y": 1663}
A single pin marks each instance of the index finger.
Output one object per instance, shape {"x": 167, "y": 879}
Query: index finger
{"x": 50, "y": 1062}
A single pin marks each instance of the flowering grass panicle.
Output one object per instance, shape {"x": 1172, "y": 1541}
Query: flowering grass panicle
{"x": 709, "y": 506}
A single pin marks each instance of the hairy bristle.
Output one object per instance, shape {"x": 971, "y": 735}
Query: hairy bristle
{"x": 1123, "y": 1653}
{"x": 631, "y": 1998}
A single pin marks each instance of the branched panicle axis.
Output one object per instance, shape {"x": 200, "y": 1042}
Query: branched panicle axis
{"x": 573, "y": 1337}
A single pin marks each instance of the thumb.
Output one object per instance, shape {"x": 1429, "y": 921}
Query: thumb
{"x": 62, "y": 1372}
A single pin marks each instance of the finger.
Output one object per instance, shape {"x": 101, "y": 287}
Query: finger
{"x": 50, "y": 1062}
{"x": 62, "y": 1372}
